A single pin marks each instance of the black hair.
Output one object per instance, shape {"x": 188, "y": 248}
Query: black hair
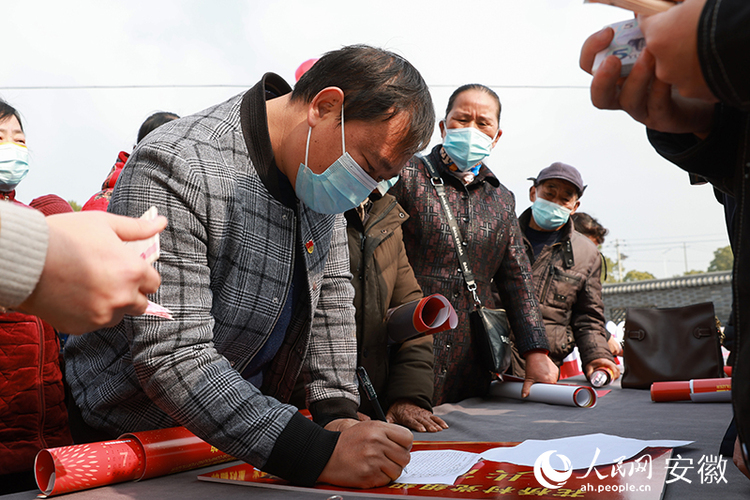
{"x": 588, "y": 226}
{"x": 473, "y": 86}
{"x": 6, "y": 110}
{"x": 377, "y": 85}
{"x": 155, "y": 121}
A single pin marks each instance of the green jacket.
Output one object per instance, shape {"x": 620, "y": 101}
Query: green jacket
{"x": 384, "y": 279}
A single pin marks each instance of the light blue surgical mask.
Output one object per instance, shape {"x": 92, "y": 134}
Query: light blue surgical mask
{"x": 343, "y": 186}
{"x": 548, "y": 215}
{"x": 14, "y": 165}
{"x": 384, "y": 186}
{"x": 467, "y": 146}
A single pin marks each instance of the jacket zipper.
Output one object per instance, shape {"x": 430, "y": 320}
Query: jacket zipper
{"x": 40, "y": 391}
{"x": 550, "y": 272}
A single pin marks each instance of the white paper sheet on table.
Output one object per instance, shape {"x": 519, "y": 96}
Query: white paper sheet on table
{"x": 437, "y": 466}
{"x": 581, "y": 450}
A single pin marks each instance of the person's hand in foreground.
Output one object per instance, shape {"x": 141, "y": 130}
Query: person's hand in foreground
{"x": 614, "y": 346}
{"x": 602, "y": 363}
{"x": 539, "y": 368}
{"x": 91, "y": 279}
{"x": 367, "y": 454}
{"x": 406, "y": 413}
{"x": 650, "y": 100}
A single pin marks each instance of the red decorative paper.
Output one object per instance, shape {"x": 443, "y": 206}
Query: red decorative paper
{"x": 132, "y": 457}
{"x": 706, "y": 390}
{"x": 84, "y": 466}
{"x": 420, "y": 317}
{"x": 497, "y": 480}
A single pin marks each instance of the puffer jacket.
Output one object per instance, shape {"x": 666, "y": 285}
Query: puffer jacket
{"x": 32, "y": 407}
{"x": 568, "y": 286}
{"x": 384, "y": 279}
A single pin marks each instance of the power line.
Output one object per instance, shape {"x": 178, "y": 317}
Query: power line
{"x": 222, "y": 85}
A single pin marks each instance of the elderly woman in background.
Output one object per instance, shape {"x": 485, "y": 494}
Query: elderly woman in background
{"x": 485, "y": 212}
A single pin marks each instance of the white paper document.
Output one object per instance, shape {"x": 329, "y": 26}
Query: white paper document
{"x": 437, "y": 467}
{"x": 582, "y": 451}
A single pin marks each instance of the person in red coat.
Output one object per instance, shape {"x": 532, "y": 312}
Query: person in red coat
{"x": 32, "y": 396}
{"x": 100, "y": 201}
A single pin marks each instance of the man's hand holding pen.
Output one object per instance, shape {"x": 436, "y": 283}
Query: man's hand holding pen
{"x": 368, "y": 454}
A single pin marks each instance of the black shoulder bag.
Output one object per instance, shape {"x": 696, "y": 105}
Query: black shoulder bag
{"x": 489, "y": 326}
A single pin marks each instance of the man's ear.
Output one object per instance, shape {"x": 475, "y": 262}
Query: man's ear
{"x": 499, "y": 133}
{"x": 578, "y": 204}
{"x": 532, "y": 194}
{"x": 441, "y": 126}
{"x": 325, "y": 105}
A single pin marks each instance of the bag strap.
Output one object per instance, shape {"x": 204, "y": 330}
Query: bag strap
{"x": 439, "y": 185}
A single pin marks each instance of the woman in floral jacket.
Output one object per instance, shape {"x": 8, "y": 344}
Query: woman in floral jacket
{"x": 485, "y": 212}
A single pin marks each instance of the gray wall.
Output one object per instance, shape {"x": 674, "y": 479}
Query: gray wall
{"x": 671, "y": 292}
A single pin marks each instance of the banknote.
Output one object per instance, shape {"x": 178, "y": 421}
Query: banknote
{"x": 646, "y": 7}
{"x": 149, "y": 249}
{"x": 627, "y": 45}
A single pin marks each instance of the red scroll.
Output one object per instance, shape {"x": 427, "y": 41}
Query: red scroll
{"x": 701, "y": 390}
{"x": 421, "y": 317}
{"x": 132, "y": 457}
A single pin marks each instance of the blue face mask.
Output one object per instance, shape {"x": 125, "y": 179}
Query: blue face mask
{"x": 548, "y": 215}
{"x": 467, "y": 146}
{"x": 343, "y": 186}
{"x": 14, "y": 165}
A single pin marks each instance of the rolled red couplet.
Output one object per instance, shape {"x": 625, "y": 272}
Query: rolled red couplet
{"x": 425, "y": 316}
{"x": 132, "y": 457}
{"x": 703, "y": 390}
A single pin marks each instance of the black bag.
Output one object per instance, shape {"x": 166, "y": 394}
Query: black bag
{"x": 678, "y": 343}
{"x": 492, "y": 335}
{"x": 489, "y": 327}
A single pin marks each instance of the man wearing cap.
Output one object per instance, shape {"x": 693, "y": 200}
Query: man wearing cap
{"x": 566, "y": 269}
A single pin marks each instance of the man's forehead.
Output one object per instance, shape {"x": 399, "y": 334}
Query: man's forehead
{"x": 560, "y": 184}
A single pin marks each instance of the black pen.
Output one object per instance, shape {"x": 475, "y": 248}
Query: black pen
{"x": 364, "y": 382}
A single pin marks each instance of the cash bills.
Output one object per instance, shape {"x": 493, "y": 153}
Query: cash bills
{"x": 646, "y": 7}
{"x": 627, "y": 45}
{"x": 149, "y": 250}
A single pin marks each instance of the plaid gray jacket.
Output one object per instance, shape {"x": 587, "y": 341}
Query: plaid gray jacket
{"x": 226, "y": 266}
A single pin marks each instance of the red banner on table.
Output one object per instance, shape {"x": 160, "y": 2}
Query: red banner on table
{"x": 132, "y": 457}
{"x": 644, "y": 474}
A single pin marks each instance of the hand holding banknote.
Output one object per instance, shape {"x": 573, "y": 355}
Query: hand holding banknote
{"x": 90, "y": 278}
{"x": 644, "y": 95}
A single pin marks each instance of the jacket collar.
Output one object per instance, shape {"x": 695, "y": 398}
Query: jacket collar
{"x": 254, "y": 122}
{"x": 385, "y": 206}
{"x": 565, "y": 241}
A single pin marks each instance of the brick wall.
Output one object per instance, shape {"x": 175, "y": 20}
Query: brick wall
{"x": 671, "y": 292}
